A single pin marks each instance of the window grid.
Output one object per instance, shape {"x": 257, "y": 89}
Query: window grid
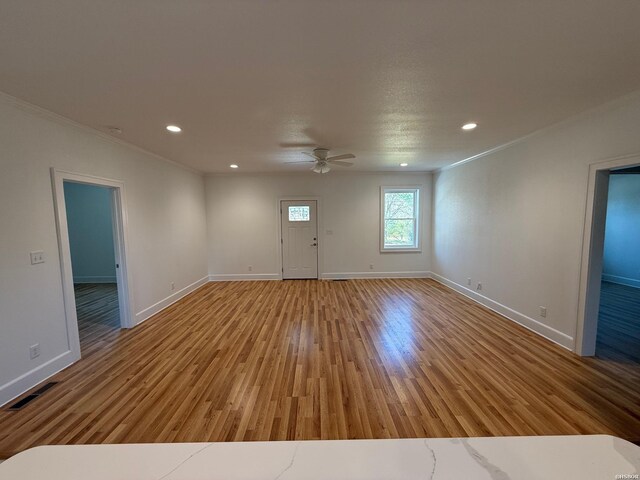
{"x": 299, "y": 213}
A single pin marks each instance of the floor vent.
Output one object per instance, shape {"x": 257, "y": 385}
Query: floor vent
{"x": 44, "y": 388}
{"x": 339, "y": 279}
{"x": 31, "y": 397}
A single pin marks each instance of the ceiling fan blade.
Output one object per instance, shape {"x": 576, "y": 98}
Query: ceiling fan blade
{"x": 297, "y": 145}
{"x": 342, "y": 164}
{"x": 341, "y": 157}
{"x": 303, "y": 161}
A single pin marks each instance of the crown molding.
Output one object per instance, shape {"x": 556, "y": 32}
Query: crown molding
{"x": 62, "y": 120}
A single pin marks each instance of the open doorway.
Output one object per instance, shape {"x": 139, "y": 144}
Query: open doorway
{"x": 91, "y": 223}
{"x": 93, "y": 263}
{"x": 609, "y": 303}
{"x": 618, "y": 336}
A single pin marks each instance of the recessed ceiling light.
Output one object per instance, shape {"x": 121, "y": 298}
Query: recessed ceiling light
{"x": 174, "y": 128}
{"x": 469, "y": 126}
{"x": 404, "y": 164}
{"x": 233, "y": 165}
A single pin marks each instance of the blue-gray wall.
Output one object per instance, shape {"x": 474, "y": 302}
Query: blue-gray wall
{"x": 622, "y": 233}
{"x": 90, "y": 233}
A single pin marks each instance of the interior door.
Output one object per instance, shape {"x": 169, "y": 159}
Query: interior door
{"x": 299, "y": 239}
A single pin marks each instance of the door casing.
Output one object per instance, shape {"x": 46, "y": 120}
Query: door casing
{"x": 120, "y": 231}
{"x": 593, "y": 250}
{"x": 319, "y": 221}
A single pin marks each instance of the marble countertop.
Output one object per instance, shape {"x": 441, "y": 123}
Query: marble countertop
{"x": 497, "y": 458}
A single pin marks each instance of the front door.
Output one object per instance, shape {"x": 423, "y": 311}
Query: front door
{"x": 299, "y": 239}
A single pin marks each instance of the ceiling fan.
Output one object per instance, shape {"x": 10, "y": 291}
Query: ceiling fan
{"x": 323, "y": 162}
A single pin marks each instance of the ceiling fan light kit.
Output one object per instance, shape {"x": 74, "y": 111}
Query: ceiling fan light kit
{"x": 324, "y": 168}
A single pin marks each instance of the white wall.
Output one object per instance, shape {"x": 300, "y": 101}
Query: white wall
{"x": 243, "y": 228}
{"x": 622, "y": 233}
{"x": 90, "y": 228}
{"x": 166, "y": 225}
{"x": 513, "y": 219}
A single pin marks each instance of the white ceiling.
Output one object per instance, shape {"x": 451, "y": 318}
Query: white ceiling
{"x": 390, "y": 81}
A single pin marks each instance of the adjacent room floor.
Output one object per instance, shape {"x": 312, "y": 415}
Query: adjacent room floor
{"x": 619, "y": 323}
{"x": 326, "y": 360}
{"x": 98, "y": 313}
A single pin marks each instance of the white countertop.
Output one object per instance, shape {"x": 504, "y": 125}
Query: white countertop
{"x": 497, "y": 458}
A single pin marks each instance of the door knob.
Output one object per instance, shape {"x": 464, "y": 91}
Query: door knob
{"x": 314, "y": 244}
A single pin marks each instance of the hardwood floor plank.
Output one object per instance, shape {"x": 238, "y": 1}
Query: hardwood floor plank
{"x": 619, "y": 323}
{"x": 387, "y": 358}
{"x": 98, "y": 314}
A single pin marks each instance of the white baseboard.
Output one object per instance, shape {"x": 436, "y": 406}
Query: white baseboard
{"x": 33, "y": 377}
{"x": 324, "y": 276}
{"x": 164, "y": 303}
{"x": 629, "y": 282}
{"x": 354, "y": 275}
{"x": 94, "y": 280}
{"x": 546, "y": 331}
{"x": 25, "y": 382}
{"x": 231, "y": 277}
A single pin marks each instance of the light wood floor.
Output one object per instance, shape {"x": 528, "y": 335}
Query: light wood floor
{"x": 98, "y": 314}
{"x": 326, "y": 360}
{"x": 619, "y": 323}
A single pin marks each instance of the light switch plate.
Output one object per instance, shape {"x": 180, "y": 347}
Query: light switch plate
{"x": 37, "y": 257}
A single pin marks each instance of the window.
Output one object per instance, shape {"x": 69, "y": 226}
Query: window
{"x": 399, "y": 219}
{"x": 299, "y": 213}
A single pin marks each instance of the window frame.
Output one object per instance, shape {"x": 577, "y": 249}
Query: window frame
{"x": 417, "y": 217}
{"x": 298, "y": 206}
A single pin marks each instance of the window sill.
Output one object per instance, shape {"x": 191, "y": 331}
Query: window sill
{"x": 401, "y": 250}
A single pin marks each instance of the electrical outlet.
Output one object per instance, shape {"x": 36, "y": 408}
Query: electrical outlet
{"x": 479, "y": 287}
{"x": 371, "y": 266}
{"x": 173, "y": 286}
{"x": 543, "y": 312}
{"x": 34, "y": 351}
{"x": 469, "y": 281}
{"x": 251, "y": 268}
{"x": 37, "y": 257}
